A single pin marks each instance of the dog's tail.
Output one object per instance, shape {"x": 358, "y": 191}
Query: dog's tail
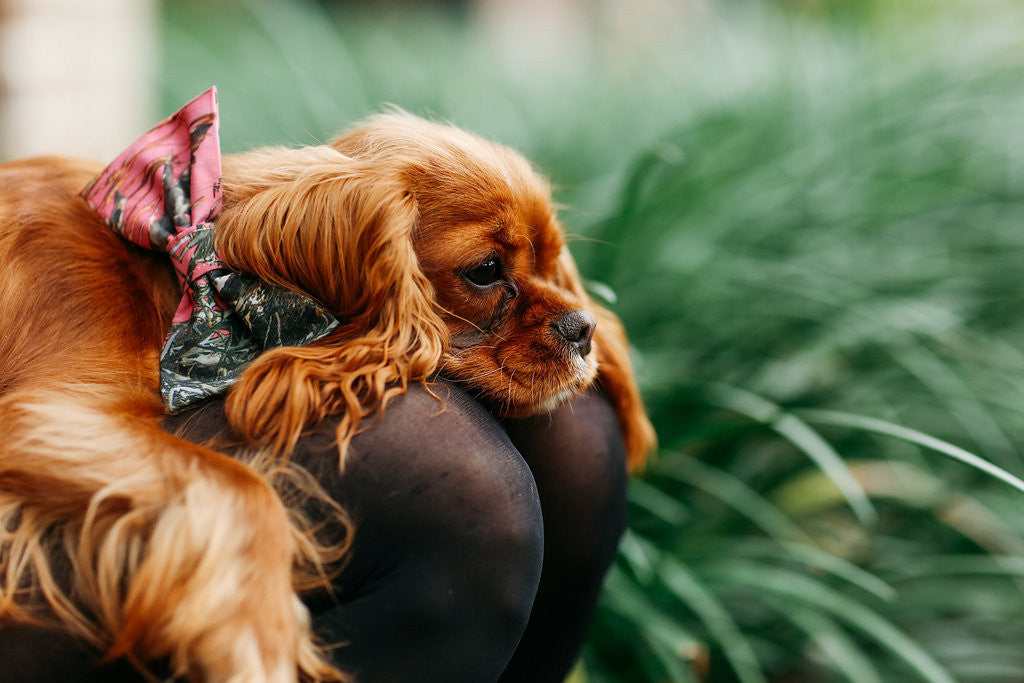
{"x": 147, "y": 545}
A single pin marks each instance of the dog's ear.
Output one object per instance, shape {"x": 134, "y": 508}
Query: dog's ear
{"x": 339, "y": 230}
{"x": 615, "y": 375}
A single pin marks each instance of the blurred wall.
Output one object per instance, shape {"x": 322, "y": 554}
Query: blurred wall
{"x": 76, "y": 76}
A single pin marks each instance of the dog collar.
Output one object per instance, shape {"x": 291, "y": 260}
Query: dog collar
{"x": 163, "y": 193}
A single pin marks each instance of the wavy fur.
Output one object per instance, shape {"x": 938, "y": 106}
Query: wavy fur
{"x": 153, "y": 547}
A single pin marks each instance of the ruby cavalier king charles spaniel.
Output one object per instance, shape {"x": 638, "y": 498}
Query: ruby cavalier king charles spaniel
{"x": 437, "y": 253}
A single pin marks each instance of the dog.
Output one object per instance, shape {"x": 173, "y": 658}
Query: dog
{"x": 438, "y": 253}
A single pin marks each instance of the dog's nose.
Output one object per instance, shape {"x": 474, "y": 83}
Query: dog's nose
{"x": 577, "y": 328}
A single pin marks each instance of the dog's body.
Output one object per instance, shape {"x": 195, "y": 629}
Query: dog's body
{"x": 437, "y": 251}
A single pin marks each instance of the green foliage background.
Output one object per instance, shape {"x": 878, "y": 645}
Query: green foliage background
{"x": 810, "y": 217}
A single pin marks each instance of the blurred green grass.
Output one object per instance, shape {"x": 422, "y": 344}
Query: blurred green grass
{"x": 810, "y": 214}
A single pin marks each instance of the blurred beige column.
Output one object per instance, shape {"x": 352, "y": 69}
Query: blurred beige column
{"x": 76, "y": 76}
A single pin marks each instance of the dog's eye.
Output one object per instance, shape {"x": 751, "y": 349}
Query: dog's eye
{"x": 487, "y": 273}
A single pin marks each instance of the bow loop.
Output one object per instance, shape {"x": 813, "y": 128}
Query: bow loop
{"x": 164, "y": 193}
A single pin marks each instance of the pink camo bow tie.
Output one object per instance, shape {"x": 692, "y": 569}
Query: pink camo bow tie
{"x": 163, "y": 193}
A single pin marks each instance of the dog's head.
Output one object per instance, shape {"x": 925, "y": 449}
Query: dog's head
{"x": 488, "y": 240}
{"x": 438, "y": 251}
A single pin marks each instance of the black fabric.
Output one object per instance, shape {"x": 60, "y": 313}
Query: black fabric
{"x": 30, "y": 654}
{"x": 579, "y": 462}
{"x": 458, "y": 520}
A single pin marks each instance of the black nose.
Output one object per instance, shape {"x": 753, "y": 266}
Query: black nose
{"x": 577, "y": 328}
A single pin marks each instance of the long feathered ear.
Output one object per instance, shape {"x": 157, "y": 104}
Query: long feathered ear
{"x": 338, "y": 229}
{"x": 614, "y": 369}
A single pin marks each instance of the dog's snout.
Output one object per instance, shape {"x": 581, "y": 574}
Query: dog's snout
{"x": 577, "y": 328}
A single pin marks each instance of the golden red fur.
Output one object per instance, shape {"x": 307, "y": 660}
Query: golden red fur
{"x": 438, "y": 252}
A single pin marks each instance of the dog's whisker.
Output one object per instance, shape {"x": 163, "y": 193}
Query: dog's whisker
{"x": 481, "y": 375}
{"x": 459, "y": 317}
{"x": 460, "y": 352}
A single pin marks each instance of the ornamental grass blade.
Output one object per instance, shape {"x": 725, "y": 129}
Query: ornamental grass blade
{"x": 669, "y": 643}
{"x": 322, "y": 101}
{"x": 802, "y": 436}
{"x": 790, "y": 587}
{"x": 962, "y": 565}
{"x": 735, "y": 493}
{"x": 657, "y": 502}
{"x": 815, "y": 558}
{"x": 959, "y": 398}
{"x": 841, "y": 652}
{"x": 871, "y": 424}
{"x": 639, "y": 556}
{"x": 715, "y": 618}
